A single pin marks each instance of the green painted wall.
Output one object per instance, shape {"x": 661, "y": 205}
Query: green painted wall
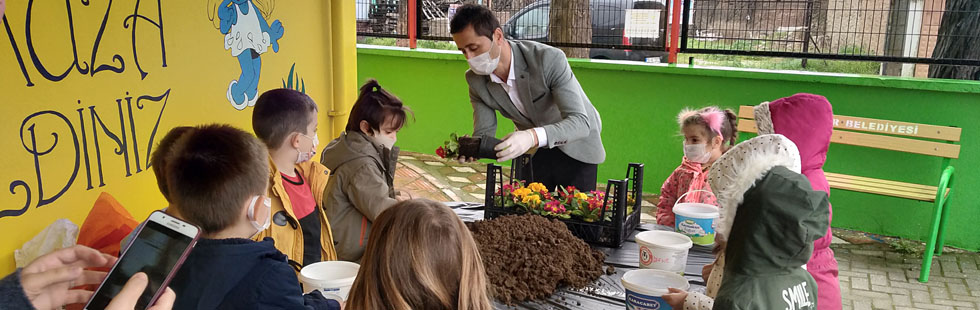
{"x": 639, "y": 104}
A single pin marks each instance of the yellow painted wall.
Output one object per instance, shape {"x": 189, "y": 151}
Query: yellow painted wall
{"x": 61, "y": 64}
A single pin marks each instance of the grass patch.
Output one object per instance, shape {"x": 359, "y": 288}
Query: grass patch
{"x": 754, "y": 62}
{"x": 429, "y": 44}
{"x": 378, "y": 41}
{"x": 437, "y": 45}
{"x": 774, "y": 63}
{"x": 906, "y": 247}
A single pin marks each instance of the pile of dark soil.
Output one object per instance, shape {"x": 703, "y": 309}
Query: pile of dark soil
{"x": 529, "y": 257}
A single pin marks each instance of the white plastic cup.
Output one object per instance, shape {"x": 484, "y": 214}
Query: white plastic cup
{"x": 663, "y": 250}
{"x": 330, "y": 277}
{"x": 645, "y": 288}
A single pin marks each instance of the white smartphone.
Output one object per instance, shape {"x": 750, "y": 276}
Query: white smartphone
{"x": 158, "y": 249}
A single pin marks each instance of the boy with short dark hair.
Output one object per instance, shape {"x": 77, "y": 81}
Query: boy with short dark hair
{"x": 286, "y": 121}
{"x": 158, "y": 160}
{"x": 216, "y": 177}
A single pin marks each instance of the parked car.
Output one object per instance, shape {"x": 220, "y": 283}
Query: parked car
{"x": 608, "y": 27}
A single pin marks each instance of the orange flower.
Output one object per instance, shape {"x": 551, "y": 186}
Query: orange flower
{"x": 537, "y": 187}
{"x": 532, "y": 200}
{"x": 521, "y": 192}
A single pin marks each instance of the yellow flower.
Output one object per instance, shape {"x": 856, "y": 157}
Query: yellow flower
{"x": 581, "y": 196}
{"x": 537, "y": 187}
{"x": 532, "y": 199}
{"x": 521, "y": 192}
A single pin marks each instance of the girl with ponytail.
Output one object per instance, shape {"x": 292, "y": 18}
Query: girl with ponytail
{"x": 708, "y": 133}
{"x": 362, "y": 168}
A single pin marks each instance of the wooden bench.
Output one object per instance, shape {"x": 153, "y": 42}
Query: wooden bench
{"x": 930, "y": 140}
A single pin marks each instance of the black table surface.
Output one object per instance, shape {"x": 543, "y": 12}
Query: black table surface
{"x": 607, "y": 292}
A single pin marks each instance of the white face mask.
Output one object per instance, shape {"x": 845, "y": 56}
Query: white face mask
{"x": 482, "y": 64}
{"x": 267, "y": 205}
{"x": 302, "y": 157}
{"x": 384, "y": 140}
{"x": 697, "y": 152}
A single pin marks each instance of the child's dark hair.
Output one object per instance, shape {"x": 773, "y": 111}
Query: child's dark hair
{"x": 728, "y": 123}
{"x": 480, "y": 17}
{"x": 211, "y": 172}
{"x": 376, "y": 106}
{"x": 159, "y": 158}
{"x": 280, "y": 112}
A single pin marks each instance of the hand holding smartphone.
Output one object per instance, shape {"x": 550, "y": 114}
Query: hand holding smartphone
{"x": 158, "y": 249}
{"x": 131, "y": 292}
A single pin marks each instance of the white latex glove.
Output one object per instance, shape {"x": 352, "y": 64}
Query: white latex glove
{"x": 515, "y": 144}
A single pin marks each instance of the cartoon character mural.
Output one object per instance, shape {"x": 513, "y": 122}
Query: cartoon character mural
{"x": 247, "y": 36}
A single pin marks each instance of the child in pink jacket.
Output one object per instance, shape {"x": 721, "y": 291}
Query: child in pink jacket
{"x": 808, "y": 121}
{"x": 708, "y": 133}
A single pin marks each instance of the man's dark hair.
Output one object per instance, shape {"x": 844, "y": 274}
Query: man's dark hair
{"x": 280, "y": 112}
{"x": 376, "y": 106}
{"x": 212, "y": 171}
{"x": 480, "y": 17}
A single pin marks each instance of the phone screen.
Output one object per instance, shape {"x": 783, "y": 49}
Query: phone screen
{"x": 154, "y": 251}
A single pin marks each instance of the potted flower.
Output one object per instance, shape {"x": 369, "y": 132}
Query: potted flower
{"x": 589, "y": 214}
{"x": 476, "y": 147}
{"x": 449, "y": 148}
{"x": 594, "y": 206}
{"x": 566, "y": 203}
{"x": 557, "y": 209}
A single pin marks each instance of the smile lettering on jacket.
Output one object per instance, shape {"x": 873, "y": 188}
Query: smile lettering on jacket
{"x": 797, "y": 297}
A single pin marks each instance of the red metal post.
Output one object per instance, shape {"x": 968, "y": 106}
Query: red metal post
{"x": 675, "y": 30}
{"x": 412, "y": 15}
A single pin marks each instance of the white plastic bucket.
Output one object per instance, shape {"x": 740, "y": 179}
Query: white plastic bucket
{"x": 330, "y": 277}
{"x": 645, "y": 288}
{"x": 663, "y": 250}
{"x": 696, "y": 220}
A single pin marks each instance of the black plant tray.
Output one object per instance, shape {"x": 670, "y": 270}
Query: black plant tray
{"x": 607, "y": 233}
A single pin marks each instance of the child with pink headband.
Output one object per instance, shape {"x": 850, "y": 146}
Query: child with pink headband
{"x": 708, "y": 133}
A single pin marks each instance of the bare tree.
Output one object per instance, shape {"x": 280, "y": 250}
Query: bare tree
{"x": 570, "y": 21}
{"x": 958, "y": 39}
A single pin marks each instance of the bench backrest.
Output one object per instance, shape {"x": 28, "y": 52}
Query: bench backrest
{"x": 914, "y": 138}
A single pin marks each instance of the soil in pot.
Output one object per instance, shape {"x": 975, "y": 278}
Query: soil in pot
{"x": 478, "y": 147}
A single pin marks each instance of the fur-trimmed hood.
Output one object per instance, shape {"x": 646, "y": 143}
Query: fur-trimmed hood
{"x": 737, "y": 171}
{"x": 772, "y": 236}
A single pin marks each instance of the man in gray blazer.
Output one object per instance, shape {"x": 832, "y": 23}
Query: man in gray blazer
{"x": 532, "y": 85}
